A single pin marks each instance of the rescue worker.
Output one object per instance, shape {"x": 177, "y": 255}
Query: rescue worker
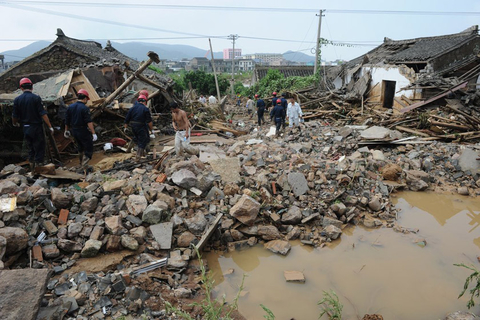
{"x": 143, "y": 93}
{"x": 260, "y": 109}
{"x": 212, "y": 99}
{"x": 202, "y": 99}
{"x": 140, "y": 120}
{"x": 274, "y": 99}
{"x": 278, "y": 116}
{"x": 182, "y": 126}
{"x": 28, "y": 110}
{"x": 294, "y": 114}
{"x": 283, "y": 102}
{"x": 78, "y": 120}
{"x": 249, "y": 106}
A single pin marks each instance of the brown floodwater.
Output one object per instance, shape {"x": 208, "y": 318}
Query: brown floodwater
{"x": 371, "y": 270}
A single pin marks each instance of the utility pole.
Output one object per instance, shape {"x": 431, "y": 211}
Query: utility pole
{"x": 233, "y": 37}
{"x": 214, "y": 70}
{"x": 317, "y": 51}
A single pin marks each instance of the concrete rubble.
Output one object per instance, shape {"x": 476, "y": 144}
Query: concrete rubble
{"x": 307, "y": 186}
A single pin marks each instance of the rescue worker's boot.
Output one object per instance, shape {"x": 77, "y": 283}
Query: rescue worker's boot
{"x": 84, "y": 163}
{"x": 80, "y": 158}
{"x": 32, "y": 166}
{"x": 139, "y": 154}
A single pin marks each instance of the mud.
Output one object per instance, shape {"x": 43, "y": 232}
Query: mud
{"x": 371, "y": 270}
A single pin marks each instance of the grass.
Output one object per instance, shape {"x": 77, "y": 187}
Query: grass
{"x": 269, "y": 315}
{"x": 213, "y": 309}
{"x": 473, "y": 278}
{"x": 331, "y": 306}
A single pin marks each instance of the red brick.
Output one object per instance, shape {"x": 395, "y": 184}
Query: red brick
{"x": 63, "y": 217}
{"x": 37, "y": 253}
{"x": 161, "y": 178}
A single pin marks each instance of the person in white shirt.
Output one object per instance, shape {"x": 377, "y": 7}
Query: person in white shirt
{"x": 294, "y": 114}
{"x": 249, "y": 106}
{"x": 202, "y": 99}
{"x": 212, "y": 99}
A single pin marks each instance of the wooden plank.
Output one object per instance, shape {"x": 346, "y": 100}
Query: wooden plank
{"x": 208, "y": 233}
{"x": 432, "y": 99}
{"x": 449, "y": 125}
{"x": 418, "y": 133}
{"x": 400, "y": 102}
{"x": 406, "y": 99}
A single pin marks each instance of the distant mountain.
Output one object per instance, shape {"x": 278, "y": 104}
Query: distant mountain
{"x": 22, "y": 53}
{"x": 138, "y": 51}
{"x": 298, "y": 57}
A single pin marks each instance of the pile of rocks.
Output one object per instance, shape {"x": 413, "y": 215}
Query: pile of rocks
{"x": 306, "y": 185}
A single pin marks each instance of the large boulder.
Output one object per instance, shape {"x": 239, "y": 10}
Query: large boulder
{"x": 292, "y": 216}
{"x": 298, "y": 183}
{"x": 16, "y": 238}
{"x": 184, "y": 178}
{"x": 60, "y": 198}
{"x": 245, "y": 210}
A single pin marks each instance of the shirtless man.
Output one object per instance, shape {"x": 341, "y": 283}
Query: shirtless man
{"x": 182, "y": 127}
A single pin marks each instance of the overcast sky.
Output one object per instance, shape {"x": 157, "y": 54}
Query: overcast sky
{"x": 27, "y": 20}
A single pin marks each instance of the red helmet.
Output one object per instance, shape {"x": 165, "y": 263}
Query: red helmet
{"x": 142, "y": 97}
{"x": 25, "y": 81}
{"x": 274, "y": 93}
{"x": 256, "y": 96}
{"x": 143, "y": 93}
{"x": 84, "y": 92}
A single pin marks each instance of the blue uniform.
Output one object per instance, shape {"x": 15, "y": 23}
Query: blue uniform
{"x": 28, "y": 109}
{"x": 274, "y": 101}
{"x": 283, "y": 102}
{"x": 278, "y": 115}
{"x": 77, "y": 119}
{"x": 260, "y": 111}
{"x": 138, "y": 117}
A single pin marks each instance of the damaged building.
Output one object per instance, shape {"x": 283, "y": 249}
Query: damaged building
{"x": 400, "y": 72}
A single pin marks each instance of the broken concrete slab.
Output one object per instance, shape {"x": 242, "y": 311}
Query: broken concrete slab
{"x": 162, "y": 233}
{"x": 298, "y": 183}
{"x": 375, "y": 132}
{"x": 25, "y": 288}
{"x": 294, "y": 276}
{"x": 211, "y": 153}
{"x": 468, "y": 161}
{"x": 278, "y": 246}
{"x": 228, "y": 169}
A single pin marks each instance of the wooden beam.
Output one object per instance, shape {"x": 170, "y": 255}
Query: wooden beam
{"x": 418, "y": 133}
{"x": 208, "y": 233}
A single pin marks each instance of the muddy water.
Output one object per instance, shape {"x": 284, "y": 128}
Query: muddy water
{"x": 372, "y": 271}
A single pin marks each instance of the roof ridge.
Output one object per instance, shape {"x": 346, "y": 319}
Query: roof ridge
{"x": 473, "y": 30}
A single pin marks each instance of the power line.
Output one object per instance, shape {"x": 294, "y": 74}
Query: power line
{"x": 228, "y": 8}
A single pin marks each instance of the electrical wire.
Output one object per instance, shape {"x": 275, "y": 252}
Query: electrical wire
{"x": 235, "y": 8}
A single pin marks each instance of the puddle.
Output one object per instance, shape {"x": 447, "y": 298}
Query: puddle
{"x": 371, "y": 270}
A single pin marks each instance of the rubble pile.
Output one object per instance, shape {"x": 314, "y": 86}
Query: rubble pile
{"x": 106, "y": 239}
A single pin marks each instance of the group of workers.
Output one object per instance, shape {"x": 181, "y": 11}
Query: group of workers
{"x": 282, "y": 111}
{"x": 29, "y": 112}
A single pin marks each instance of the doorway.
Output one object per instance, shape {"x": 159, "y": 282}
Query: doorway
{"x": 388, "y": 93}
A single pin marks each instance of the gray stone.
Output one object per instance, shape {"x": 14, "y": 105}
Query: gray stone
{"x": 298, "y": 183}
{"x": 345, "y": 131}
{"x": 461, "y": 315}
{"x": 129, "y": 242}
{"x": 153, "y": 215}
{"x": 339, "y": 208}
{"x": 184, "y": 178}
{"x": 17, "y": 239}
{"x": 74, "y": 229}
{"x": 182, "y": 293}
{"x": 197, "y": 223}
{"x": 91, "y": 248}
{"x": 378, "y": 155}
{"x": 136, "y": 204}
{"x": 467, "y": 161}
{"x": 417, "y": 185}
{"x": 292, "y": 216}
{"x": 139, "y": 233}
{"x": 278, "y": 246}
{"x": 114, "y": 185}
{"x": 375, "y": 132}
{"x": 215, "y": 194}
{"x": 97, "y": 233}
{"x": 50, "y": 251}
{"x": 245, "y": 210}
{"x": 327, "y": 221}
{"x": 3, "y": 246}
{"x": 163, "y": 234}
{"x": 333, "y": 232}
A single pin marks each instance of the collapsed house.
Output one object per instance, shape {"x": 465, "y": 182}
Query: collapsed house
{"x": 399, "y": 72}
